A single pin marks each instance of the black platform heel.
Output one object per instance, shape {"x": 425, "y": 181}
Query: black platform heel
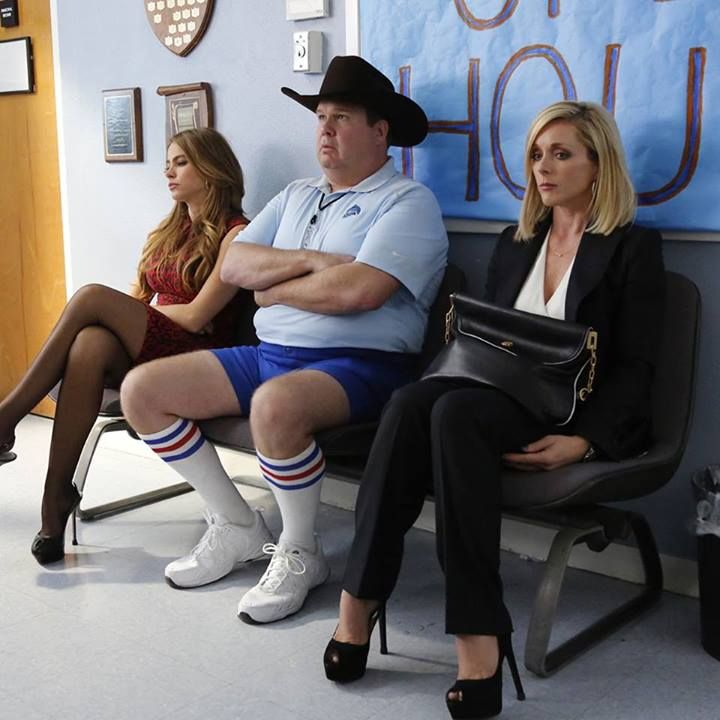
{"x": 345, "y": 662}
{"x": 51, "y": 548}
{"x": 483, "y": 698}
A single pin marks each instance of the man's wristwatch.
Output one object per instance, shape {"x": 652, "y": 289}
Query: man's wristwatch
{"x": 590, "y": 454}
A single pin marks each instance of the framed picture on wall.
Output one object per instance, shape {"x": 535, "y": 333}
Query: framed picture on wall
{"x": 186, "y": 107}
{"x": 16, "y": 66}
{"x": 122, "y": 125}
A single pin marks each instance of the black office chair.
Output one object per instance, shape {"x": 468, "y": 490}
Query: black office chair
{"x": 571, "y": 498}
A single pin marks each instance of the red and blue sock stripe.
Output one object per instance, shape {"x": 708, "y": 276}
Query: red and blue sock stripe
{"x": 177, "y": 442}
{"x": 294, "y": 473}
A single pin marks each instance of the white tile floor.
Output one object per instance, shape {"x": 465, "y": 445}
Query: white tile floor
{"x": 102, "y": 636}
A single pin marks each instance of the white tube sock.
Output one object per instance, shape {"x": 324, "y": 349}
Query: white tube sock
{"x": 186, "y": 451}
{"x": 296, "y": 483}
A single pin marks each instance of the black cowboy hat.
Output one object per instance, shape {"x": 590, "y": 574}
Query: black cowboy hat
{"x": 355, "y": 80}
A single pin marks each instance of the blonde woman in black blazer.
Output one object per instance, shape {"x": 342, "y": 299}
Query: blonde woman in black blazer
{"x": 575, "y": 254}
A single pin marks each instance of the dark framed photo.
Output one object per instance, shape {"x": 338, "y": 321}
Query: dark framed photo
{"x": 16, "y": 66}
{"x": 122, "y": 125}
{"x": 186, "y": 107}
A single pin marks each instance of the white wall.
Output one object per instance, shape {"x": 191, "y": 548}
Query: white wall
{"x": 246, "y": 56}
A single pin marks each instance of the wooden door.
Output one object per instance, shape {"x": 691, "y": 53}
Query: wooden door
{"x": 32, "y": 274}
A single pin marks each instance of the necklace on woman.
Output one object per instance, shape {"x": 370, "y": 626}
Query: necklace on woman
{"x": 571, "y": 250}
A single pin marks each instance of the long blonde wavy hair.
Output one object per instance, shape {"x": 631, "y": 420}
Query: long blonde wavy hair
{"x": 193, "y": 253}
{"x": 613, "y": 201}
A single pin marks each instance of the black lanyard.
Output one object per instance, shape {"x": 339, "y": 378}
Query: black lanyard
{"x": 321, "y": 207}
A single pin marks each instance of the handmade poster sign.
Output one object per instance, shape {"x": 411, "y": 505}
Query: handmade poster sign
{"x": 178, "y": 24}
{"x": 482, "y": 69}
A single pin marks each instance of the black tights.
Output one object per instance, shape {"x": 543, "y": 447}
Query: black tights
{"x": 91, "y": 347}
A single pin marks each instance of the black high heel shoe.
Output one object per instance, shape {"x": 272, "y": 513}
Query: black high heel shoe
{"x": 6, "y": 455}
{"x": 51, "y": 548}
{"x": 345, "y": 662}
{"x": 483, "y": 698}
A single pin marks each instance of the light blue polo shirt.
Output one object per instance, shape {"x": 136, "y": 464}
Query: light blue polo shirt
{"x": 386, "y": 221}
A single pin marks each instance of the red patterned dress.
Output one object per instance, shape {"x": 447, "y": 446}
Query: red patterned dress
{"x": 165, "y": 337}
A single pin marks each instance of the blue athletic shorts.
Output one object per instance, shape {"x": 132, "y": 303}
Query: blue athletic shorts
{"x": 368, "y": 377}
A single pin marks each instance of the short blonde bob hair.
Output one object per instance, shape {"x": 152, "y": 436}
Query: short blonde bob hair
{"x": 613, "y": 201}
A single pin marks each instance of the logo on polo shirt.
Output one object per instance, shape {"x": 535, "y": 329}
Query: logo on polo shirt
{"x": 354, "y": 210}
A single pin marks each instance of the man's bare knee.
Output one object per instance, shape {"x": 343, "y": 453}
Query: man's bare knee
{"x": 275, "y": 412}
{"x": 136, "y": 394}
{"x": 191, "y": 386}
{"x": 288, "y": 410}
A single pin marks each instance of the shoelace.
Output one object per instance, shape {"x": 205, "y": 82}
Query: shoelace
{"x": 211, "y": 537}
{"x": 282, "y": 562}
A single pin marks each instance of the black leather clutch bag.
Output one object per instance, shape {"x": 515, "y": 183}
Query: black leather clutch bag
{"x": 547, "y": 365}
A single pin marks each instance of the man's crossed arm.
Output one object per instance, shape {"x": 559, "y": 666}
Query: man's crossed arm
{"x": 319, "y": 282}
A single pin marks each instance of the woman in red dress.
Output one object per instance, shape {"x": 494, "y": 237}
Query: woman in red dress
{"x": 102, "y": 332}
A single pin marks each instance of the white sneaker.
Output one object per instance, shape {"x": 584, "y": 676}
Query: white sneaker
{"x": 291, "y": 574}
{"x": 221, "y": 549}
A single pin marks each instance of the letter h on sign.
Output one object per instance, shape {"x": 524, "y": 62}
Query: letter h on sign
{"x": 470, "y": 126}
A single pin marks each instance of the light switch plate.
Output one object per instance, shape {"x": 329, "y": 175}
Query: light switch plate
{"x": 307, "y": 51}
{"x": 306, "y": 9}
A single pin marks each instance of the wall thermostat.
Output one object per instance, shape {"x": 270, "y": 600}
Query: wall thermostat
{"x": 307, "y": 51}
{"x": 306, "y": 9}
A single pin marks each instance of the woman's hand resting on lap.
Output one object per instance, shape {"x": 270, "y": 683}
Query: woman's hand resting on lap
{"x": 548, "y": 453}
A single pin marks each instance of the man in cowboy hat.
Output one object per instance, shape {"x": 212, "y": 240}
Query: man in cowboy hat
{"x": 344, "y": 269}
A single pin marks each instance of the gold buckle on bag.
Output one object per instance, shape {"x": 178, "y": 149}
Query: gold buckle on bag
{"x": 592, "y": 340}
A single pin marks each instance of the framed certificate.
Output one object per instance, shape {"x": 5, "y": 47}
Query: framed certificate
{"x": 16, "y": 66}
{"x": 122, "y": 125}
{"x": 186, "y": 106}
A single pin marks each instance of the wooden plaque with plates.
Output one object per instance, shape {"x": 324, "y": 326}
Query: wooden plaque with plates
{"x": 178, "y": 24}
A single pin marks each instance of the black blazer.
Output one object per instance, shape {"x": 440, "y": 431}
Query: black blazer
{"x": 617, "y": 286}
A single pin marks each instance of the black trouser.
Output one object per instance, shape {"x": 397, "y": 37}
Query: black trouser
{"x": 447, "y": 437}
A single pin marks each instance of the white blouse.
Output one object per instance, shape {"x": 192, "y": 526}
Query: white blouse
{"x": 532, "y": 295}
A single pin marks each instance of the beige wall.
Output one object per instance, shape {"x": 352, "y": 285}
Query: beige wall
{"x": 32, "y": 285}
